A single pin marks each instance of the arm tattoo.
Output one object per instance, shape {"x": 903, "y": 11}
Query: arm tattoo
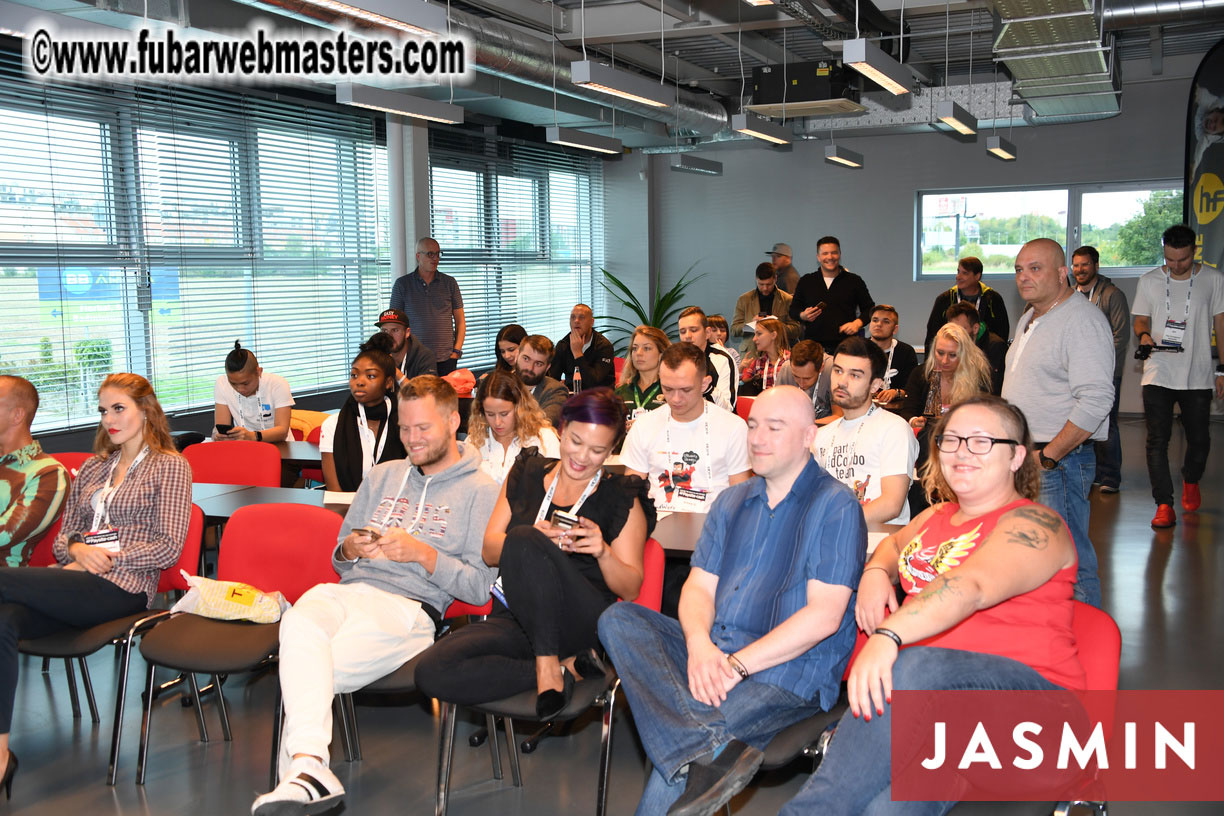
{"x": 1040, "y": 515}
{"x": 1029, "y": 537}
{"x": 942, "y": 588}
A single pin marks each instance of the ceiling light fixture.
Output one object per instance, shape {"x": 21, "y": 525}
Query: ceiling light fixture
{"x": 956, "y": 117}
{"x": 380, "y": 99}
{"x": 685, "y": 163}
{"x": 424, "y": 20}
{"x": 571, "y": 137}
{"x": 635, "y": 88}
{"x": 761, "y": 128}
{"x": 759, "y": 2}
{"x": 1000, "y": 147}
{"x": 840, "y": 155}
{"x": 867, "y": 58}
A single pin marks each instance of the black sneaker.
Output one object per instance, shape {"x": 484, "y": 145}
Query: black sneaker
{"x": 711, "y": 784}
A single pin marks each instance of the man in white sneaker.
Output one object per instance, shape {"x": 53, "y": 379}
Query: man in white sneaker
{"x": 409, "y": 546}
{"x": 868, "y": 449}
{"x": 689, "y": 450}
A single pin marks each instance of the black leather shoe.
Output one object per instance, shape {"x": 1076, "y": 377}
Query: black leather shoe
{"x": 711, "y": 784}
{"x": 552, "y": 702}
{"x": 588, "y": 664}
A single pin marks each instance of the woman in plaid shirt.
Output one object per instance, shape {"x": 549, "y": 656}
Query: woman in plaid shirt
{"x": 771, "y": 349}
{"x": 124, "y": 522}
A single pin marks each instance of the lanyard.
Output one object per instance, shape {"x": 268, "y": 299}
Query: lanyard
{"x": 641, "y": 398}
{"x": 552, "y": 488}
{"x": 975, "y": 301}
{"x": 1189, "y": 292}
{"x": 828, "y": 463}
{"x": 1091, "y": 291}
{"x": 244, "y": 421}
{"x": 769, "y": 376}
{"x": 382, "y": 434}
{"x": 709, "y": 464}
{"x": 102, "y": 510}
{"x": 420, "y": 508}
{"x": 889, "y": 371}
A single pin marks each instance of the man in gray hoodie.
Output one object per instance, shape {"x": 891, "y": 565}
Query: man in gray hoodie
{"x": 410, "y": 544}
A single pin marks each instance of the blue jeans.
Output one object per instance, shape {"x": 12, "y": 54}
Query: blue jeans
{"x": 855, "y": 776}
{"x": 1065, "y": 491}
{"x": 1109, "y": 452}
{"x": 650, "y": 655}
{"x": 1158, "y": 405}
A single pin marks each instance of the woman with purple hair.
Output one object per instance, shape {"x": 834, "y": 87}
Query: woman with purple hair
{"x": 568, "y": 537}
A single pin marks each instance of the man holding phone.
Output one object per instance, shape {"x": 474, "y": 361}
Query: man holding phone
{"x": 832, "y": 302}
{"x": 250, "y": 404}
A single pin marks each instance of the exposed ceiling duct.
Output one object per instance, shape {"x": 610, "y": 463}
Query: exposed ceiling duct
{"x": 1141, "y": 13}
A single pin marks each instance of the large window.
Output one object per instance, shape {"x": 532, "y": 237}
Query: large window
{"x": 1123, "y": 221}
{"x": 146, "y": 230}
{"x": 520, "y": 228}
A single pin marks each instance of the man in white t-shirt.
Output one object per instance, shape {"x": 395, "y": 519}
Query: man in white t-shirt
{"x": 252, "y": 404}
{"x": 1178, "y": 305}
{"x": 869, "y": 449}
{"x": 723, "y": 382}
{"x": 689, "y": 450}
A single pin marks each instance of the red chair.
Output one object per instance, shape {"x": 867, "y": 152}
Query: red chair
{"x": 314, "y": 474}
{"x": 743, "y": 405}
{"x": 618, "y": 365}
{"x": 43, "y": 554}
{"x": 236, "y": 462}
{"x": 79, "y": 644}
{"x": 273, "y": 547}
{"x": 72, "y": 461}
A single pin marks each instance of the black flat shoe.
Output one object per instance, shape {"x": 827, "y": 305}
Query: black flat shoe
{"x": 552, "y": 702}
{"x": 588, "y": 664}
{"x": 6, "y": 781}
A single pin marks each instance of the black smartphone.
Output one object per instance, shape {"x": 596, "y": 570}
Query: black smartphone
{"x": 821, "y": 305}
{"x": 224, "y": 428}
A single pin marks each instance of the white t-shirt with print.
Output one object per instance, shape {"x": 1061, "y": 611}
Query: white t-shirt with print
{"x": 258, "y": 411}
{"x": 867, "y": 449}
{"x": 687, "y": 463}
{"x": 1194, "y": 368}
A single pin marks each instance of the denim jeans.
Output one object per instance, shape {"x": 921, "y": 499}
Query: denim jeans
{"x": 650, "y": 655}
{"x": 1109, "y": 452}
{"x": 855, "y": 776}
{"x": 1065, "y": 491}
{"x": 1158, "y": 405}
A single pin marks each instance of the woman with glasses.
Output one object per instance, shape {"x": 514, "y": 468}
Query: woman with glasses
{"x": 987, "y": 574}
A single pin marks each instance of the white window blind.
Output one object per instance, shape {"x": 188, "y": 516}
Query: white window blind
{"x": 521, "y": 229}
{"x": 145, "y": 229}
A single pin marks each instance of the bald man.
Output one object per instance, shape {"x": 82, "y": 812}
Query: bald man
{"x": 1060, "y": 374}
{"x": 586, "y": 350}
{"x": 779, "y": 554}
{"x": 32, "y": 484}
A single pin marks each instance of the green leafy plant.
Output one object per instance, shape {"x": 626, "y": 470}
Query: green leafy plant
{"x": 661, "y": 312}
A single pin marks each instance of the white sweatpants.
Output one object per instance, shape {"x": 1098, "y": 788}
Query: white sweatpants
{"x": 339, "y": 638}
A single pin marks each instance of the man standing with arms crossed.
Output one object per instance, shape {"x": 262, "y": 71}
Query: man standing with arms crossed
{"x": 433, "y": 305}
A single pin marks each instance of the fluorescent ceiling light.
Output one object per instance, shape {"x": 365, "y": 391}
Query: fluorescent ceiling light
{"x": 1000, "y": 147}
{"x": 365, "y": 96}
{"x": 634, "y": 87}
{"x": 867, "y": 58}
{"x": 956, "y": 117}
{"x": 759, "y": 2}
{"x": 580, "y": 138}
{"x": 684, "y": 163}
{"x": 754, "y": 125}
{"x": 422, "y": 19}
{"x": 840, "y": 155}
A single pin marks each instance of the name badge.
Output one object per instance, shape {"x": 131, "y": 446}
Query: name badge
{"x": 106, "y": 539}
{"x": 1174, "y": 333}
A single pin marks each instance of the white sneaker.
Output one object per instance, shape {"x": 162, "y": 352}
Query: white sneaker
{"x": 308, "y": 787}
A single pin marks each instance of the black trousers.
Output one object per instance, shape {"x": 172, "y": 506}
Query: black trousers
{"x": 552, "y": 610}
{"x": 1158, "y": 405}
{"x": 38, "y": 601}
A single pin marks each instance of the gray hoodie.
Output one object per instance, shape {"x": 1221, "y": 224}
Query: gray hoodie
{"x": 454, "y": 507}
{"x": 1112, "y": 301}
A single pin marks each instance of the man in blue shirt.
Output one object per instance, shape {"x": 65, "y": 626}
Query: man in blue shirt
{"x": 766, "y": 619}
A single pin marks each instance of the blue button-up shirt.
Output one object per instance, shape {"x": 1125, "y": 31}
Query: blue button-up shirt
{"x": 765, "y": 556}
{"x": 430, "y": 309}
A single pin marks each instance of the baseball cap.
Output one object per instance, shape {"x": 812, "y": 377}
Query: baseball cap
{"x": 392, "y": 316}
{"x": 781, "y": 249}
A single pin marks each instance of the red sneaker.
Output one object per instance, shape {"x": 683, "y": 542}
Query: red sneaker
{"x": 1190, "y": 497}
{"x": 1164, "y": 516}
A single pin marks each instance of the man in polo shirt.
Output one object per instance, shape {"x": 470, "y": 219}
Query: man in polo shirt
{"x": 535, "y": 354}
{"x": 32, "y": 484}
{"x": 766, "y": 620}
{"x": 586, "y": 350}
{"x": 432, "y": 302}
{"x": 411, "y": 357}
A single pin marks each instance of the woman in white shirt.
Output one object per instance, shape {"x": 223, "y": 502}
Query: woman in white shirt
{"x": 506, "y": 419}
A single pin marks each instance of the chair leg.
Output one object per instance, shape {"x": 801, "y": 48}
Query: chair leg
{"x": 350, "y": 711}
{"x": 278, "y": 722}
{"x": 199, "y": 707}
{"x": 340, "y": 715}
{"x": 89, "y": 692}
{"x": 494, "y": 749}
{"x": 446, "y": 750}
{"x": 605, "y": 748}
{"x": 143, "y": 754}
{"x": 72, "y": 688}
{"x": 221, "y": 708}
{"x": 120, "y": 701}
{"x": 46, "y": 666}
{"x": 513, "y": 749}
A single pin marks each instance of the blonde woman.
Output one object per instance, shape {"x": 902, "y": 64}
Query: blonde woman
{"x": 770, "y": 349}
{"x": 505, "y": 419}
{"x": 639, "y": 380}
{"x": 955, "y": 370}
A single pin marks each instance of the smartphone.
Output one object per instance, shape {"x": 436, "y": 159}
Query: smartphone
{"x": 564, "y": 520}
{"x": 224, "y": 428}
{"x": 367, "y": 531}
{"x": 821, "y": 305}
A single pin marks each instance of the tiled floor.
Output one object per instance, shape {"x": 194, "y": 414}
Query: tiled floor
{"x": 1162, "y": 588}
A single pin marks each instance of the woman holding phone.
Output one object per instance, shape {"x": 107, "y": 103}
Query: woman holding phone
{"x": 568, "y": 537}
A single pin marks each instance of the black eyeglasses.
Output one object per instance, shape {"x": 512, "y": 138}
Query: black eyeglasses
{"x": 977, "y": 445}
{"x": 434, "y": 255}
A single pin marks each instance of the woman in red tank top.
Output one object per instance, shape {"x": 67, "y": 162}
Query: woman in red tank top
{"x": 989, "y": 576}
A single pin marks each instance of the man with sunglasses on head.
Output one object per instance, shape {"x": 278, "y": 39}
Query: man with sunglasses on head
{"x": 433, "y": 305}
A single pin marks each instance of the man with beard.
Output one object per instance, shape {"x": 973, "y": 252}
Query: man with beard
{"x": 404, "y": 554}
{"x": 411, "y": 357}
{"x": 868, "y": 449}
{"x": 535, "y": 354}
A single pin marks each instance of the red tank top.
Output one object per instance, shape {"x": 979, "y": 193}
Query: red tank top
{"x": 1033, "y": 628}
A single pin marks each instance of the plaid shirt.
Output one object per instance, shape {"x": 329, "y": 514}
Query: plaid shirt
{"x": 759, "y": 368}
{"x": 150, "y": 509}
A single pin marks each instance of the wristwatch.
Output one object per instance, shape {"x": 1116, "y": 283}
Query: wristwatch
{"x": 1046, "y": 462}
{"x": 259, "y": 436}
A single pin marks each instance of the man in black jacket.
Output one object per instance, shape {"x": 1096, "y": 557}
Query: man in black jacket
{"x": 832, "y": 302}
{"x": 585, "y": 349}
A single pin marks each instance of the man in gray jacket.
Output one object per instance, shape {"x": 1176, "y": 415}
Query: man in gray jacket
{"x": 409, "y": 546}
{"x": 1060, "y": 375}
{"x": 1100, "y": 291}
